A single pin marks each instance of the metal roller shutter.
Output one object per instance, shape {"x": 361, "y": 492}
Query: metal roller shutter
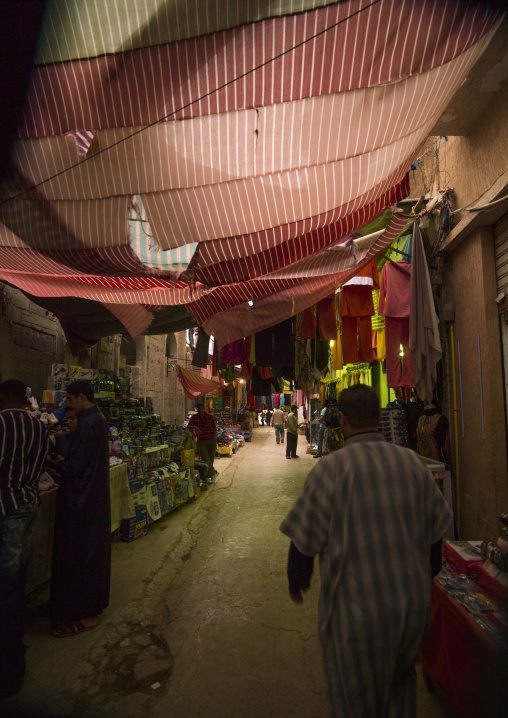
{"x": 501, "y": 251}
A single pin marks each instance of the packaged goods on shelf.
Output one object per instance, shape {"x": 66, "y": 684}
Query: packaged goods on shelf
{"x": 152, "y": 503}
{"x": 74, "y": 372}
{"x": 187, "y": 458}
{"x": 59, "y": 370}
{"x": 135, "y": 527}
{"x": 463, "y": 557}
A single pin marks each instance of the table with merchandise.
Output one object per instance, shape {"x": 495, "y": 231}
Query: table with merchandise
{"x": 465, "y": 652}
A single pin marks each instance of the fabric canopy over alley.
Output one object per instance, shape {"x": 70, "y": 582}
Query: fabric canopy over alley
{"x": 220, "y": 159}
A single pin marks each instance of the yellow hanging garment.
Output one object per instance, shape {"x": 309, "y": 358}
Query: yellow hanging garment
{"x": 337, "y": 363}
{"x": 253, "y": 350}
{"x": 381, "y": 344}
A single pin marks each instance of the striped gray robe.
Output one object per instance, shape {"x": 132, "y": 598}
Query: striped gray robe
{"x": 371, "y": 511}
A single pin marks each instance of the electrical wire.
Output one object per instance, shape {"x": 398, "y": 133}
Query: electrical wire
{"x": 481, "y": 195}
{"x": 482, "y": 207}
{"x": 199, "y": 99}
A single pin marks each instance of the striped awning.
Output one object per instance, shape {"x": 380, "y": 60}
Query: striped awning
{"x": 171, "y": 157}
{"x": 194, "y": 384}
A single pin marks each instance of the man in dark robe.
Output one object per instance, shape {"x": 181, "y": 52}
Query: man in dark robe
{"x": 81, "y": 568}
{"x": 62, "y": 439}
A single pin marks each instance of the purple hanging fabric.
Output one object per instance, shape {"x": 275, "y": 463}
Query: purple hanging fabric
{"x": 234, "y": 353}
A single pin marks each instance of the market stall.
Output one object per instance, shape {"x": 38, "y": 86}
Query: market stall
{"x": 151, "y": 469}
{"x": 465, "y": 652}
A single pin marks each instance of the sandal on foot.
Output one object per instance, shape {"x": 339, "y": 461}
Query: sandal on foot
{"x": 71, "y": 629}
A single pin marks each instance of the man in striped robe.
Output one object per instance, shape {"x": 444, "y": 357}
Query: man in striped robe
{"x": 375, "y": 516}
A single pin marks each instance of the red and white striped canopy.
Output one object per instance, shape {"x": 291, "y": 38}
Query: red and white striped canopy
{"x": 257, "y": 135}
{"x": 194, "y": 384}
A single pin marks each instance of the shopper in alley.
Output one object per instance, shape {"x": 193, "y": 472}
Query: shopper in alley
{"x": 376, "y": 518}
{"x": 81, "y": 567}
{"x": 292, "y": 433}
{"x": 322, "y": 429}
{"x": 205, "y": 427}
{"x": 278, "y": 423}
{"x": 24, "y": 446}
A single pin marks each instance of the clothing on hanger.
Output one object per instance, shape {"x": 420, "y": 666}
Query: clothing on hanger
{"x": 356, "y": 310}
{"x": 394, "y": 305}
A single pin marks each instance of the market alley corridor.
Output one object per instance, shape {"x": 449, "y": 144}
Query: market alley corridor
{"x": 200, "y": 623}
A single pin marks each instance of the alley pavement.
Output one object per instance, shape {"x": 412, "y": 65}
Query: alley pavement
{"x": 200, "y": 623}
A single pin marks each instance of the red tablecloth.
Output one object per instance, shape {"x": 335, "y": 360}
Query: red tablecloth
{"x": 468, "y": 664}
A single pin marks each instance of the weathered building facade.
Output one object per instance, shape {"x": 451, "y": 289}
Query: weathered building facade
{"x": 469, "y": 154}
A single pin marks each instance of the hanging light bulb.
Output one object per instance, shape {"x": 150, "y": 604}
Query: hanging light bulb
{"x": 401, "y": 350}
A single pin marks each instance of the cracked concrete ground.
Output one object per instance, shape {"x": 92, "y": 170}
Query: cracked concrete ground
{"x": 199, "y": 623}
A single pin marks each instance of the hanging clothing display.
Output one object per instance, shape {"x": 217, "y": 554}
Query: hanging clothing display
{"x": 284, "y": 344}
{"x": 424, "y": 340}
{"x": 337, "y": 364}
{"x": 264, "y": 347}
{"x": 394, "y": 300}
{"x": 200, "y": 356}
{"x": 378, "y": 328}
{"x": 309, "y": 323}
{"x": 252, "y": 358}
{"x": 433, "y": 436}
{"x": 356, "y": 310}
{"x": 322, "y": 355}
{"x": 327, "y": 318}
{"x": 275, "y": 346}
{"x": 399, "y": 367}
{"x": 234, "y": 353}
{"x": 246, "y": 372}
{"x": 302, "y": 367}
{"x": 228, "y": 374}
{"x": 259, "y": 386}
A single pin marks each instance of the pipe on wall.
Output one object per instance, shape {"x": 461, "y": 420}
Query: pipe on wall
{"x": 456, "y": 431}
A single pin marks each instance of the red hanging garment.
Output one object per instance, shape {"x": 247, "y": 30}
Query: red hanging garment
{"x": 327, "y": 319}
{"x": 309, "y": 323}
{"x": 394, "y": 304}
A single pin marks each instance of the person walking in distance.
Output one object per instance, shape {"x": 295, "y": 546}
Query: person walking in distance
{"x": 322, "y": 429}
{"x": 24, "y": 445}
{"x": 278, "y": 421}
{"x": 376, "y": 518}
{"x": 81, "y": 567}
{"x": 292, "y": 433}
{"x": 206, "y": 431}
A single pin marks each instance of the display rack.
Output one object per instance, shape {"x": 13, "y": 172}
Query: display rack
{"x": 393, "y": 426}
{"x": 315, "y": 425}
